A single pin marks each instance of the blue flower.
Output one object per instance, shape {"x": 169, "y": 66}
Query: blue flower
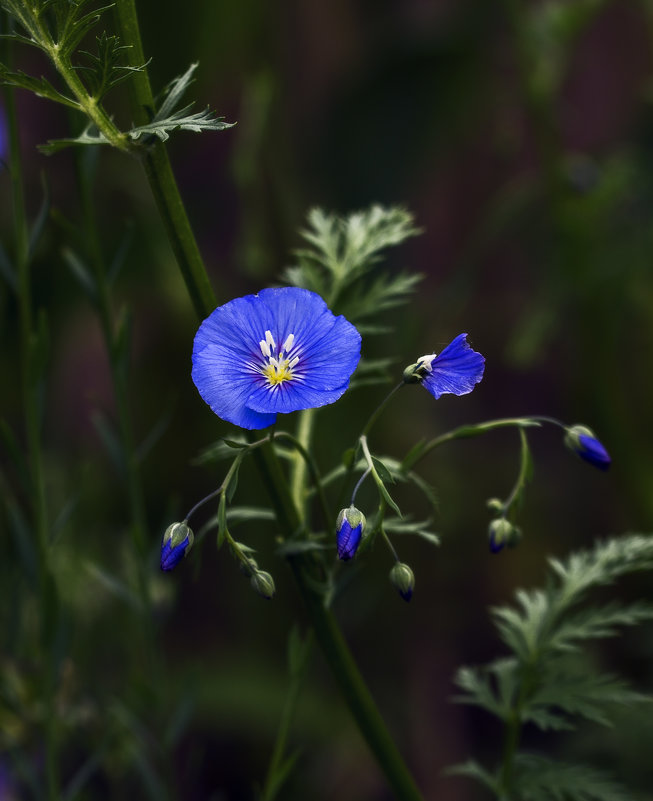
{"x": 349, "y": 530}
{"x": 583, "y": 442}
{"x": 177, "y": 541}
{"x": 456, "y": 370}
{"x": 278, "y": 351}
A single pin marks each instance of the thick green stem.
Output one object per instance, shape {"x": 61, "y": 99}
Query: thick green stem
{"x": 159, "y": 172}
{"x": 335, "y": 649}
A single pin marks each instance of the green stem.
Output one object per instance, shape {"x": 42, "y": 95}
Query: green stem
{"x": 354, "y": 690}
{"x": 86, "y": 103}
{"x": 298, "y": 474}
{"x": 30, "y": 390}
{"x": 335, "y": 649}
{"x": 313, "y": 469}
{"x": 277, "y": 771}
{"x": 160, "y": 176}
{"x": 463, "y": 432}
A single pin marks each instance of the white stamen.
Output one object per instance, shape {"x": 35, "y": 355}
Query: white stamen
{"x": 287, "y": 345}
{"x": 265, "y": 348}
{"x": 426, "y": 361}
{"x": 293, "y": 362}
{"x": 270, "y": 340}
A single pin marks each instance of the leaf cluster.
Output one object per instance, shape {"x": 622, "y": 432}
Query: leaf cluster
{"x": 547, "y": 680}
{"x": 339, "y": 262}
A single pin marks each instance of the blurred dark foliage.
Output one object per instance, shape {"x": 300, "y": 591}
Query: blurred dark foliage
{"x": 537, "y": 210}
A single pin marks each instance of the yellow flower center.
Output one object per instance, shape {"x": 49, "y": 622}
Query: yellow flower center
{"x": 278, "y": 367}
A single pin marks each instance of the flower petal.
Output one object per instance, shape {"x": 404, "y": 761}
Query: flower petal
{"x": 456, "y": 370}
{"x": 228, "y": 360}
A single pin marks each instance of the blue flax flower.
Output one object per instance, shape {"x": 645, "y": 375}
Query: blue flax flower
{"x": 455, "y": 370}
{"x": 278, "y": 351}
{"x": 583, "y": 442}
{"x": 349, "y": 530}
{"x": 177, "y": 541}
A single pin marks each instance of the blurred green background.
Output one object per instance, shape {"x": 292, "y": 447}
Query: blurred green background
{"x": 521, "y": 136}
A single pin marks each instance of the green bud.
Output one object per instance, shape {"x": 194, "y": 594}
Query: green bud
{"x": 500, "y": 533}
{"x": 263, "y": 583}
{"x": 494, "y": 504}
{"x": 403, "y": 580}
{"x": 414, "y": 373}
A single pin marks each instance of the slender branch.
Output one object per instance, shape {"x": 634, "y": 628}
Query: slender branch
{"x": 463, "y": 432}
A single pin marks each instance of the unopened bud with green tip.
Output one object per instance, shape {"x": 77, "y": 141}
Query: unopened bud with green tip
{"x": 263, "y": 583}
{"x": 177, "y": 541}
{"x": 349, "y": 530}
{"x": 403, "y": 580}
{"x": 583, "y": 442}
{"x": 502, "y": 532}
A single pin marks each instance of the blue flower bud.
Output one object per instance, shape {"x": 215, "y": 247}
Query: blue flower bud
{"x": 176, "y": 543}
{"x": 349, "y": 530}
{"x": 582, "y": 441}
{"x": 263, "y": 583}
{"x": 502, "y": 532}
{"x": 403, "y": 580}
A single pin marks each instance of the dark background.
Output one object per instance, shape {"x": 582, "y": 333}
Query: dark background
{"x": 520, "y": 135}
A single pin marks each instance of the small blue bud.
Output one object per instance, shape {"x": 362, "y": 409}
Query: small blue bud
{"x": 263, "y": 583}
{"x": 582, "y": 441}
{"x": 403, "y": 580}
{"x": 176, "y": 543}
{"x": 349, "y": 530}
{"x": 502, "y": 532}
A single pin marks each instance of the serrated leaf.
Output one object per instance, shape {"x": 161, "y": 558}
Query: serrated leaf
{"x": 38, "y": 86}
{"x": 473, "y": 770}
{"x": 102, "y": 71}
{"x": 84, "y": 139}
{"x": 181, "y": 120}
{"x": 541, "y": 779}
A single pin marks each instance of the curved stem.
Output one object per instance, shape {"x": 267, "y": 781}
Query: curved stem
{"x": 463, "y": 432}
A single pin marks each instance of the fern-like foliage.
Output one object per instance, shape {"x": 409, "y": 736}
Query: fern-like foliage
{"x": 343, "y": 251}
{"x": 171, "y": 118}
{"x": 546, "y": 680}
